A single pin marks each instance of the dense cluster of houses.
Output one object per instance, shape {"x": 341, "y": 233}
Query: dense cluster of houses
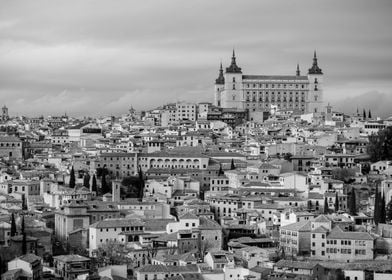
{"x": 192, "y": 191}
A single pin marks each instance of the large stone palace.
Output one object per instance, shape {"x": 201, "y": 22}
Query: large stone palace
{"x": 257, "y": 93}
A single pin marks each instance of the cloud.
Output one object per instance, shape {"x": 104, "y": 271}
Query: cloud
{"x": 89, "y": 57}
{"x": 378, "y": 102}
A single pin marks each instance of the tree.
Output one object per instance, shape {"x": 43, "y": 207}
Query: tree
{"x": 365, "y": 168}
{"x": 383, "y": 213}
{"x": 389, "y": 211}
{"x": 380, "y": 145}
{"x": 283, "y": 253}
{"x": 343, "y": 174}
{"x": 72, "y": 178}
{"x": 326, "y": 207}
{"x": 132, "y": 186}
{"x": 105, "y": 188}
{"x": 369, "y": 115}
{"x": 141, "y": 184}
{"x": 310, "y": 205}
{"x": 13, "y": 225}
{"x": 336, "y": 202}
{"x": 103, "y": 172}
{"x": 204, "y": 246}
{"x": 150, "y": 254}
{"x": 352, "y": 203}
{"x": 220, "y": 172}
{"x": 232, "y": 167}
{"x": 22, "y": 229}
{"x": 24, "y": 241}
{"x": 337, "y": 274}
{"x": 376, "y": 213}
{"x": 110, "y": 253}
{"x": 364, "y": 114}
{"x": 86, "y": 180}
{"x": 24, "y": 244}
{"x": 24, "y": 206}
{"x": 94, "y": 184}
{"x": 288, "y": 156}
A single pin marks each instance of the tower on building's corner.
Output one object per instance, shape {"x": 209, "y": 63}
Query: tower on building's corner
{"x": 219, "y": 87}
{"x": 4, "y": 115}
{"x": 315, "y": 94}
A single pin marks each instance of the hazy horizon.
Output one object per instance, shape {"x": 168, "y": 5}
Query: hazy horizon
{"x": 100, "y": 58}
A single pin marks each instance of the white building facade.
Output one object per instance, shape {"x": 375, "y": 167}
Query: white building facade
{"x": 297, "y": 92}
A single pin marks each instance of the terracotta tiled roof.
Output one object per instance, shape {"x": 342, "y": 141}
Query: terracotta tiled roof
{"x": 296, "y": 264}
{"x": 206, "y": 223}
{"x": 300, "y": 226}
{"x": 71, "y": 258}
{"x": 322, "y": 219}
{"x": 167, "y": 269}
{"x": 111, "y": 223}
{"x": 30, "y": 258}
{"x": 338, "y": 233}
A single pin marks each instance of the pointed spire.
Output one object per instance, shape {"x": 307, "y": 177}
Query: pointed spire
{"x": 221, "y": 79}
{"x": 315, "y": 69}
{"x": 233, "y": 68}
{"x": 298, "y": 72}
{"x": 233, "y": 58}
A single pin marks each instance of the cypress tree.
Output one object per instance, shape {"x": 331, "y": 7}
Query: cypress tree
{"x": 336, "y": 202}
{"x": 24, "y": 241}
{"x": 382, "y": 210}
{"x": 232, "y": 164}
{"x": 24, "y": 244}
{"x": 220, "y": 172}
{"x": 86, "y": 180}
{"x": 104, "y": 185}
{"x": 13, "y": 225}
{"x": 389, "y": 211}
{"x": 72, "y": 178}
{"x": 369, "y": 114}
{"x": 94, "y": 184}
{"x": 353, "y": 204}
{"x": 326, "y": 207}
{"x": 310, "y": 205}
{"x": 376, "y": 213}
{"x": 23, "y": 225}
{"x": 141, "y": 184}
{"x": 364, "y": 114}
{"x": 283, "y": 255}
{"x": 24, "y": 206}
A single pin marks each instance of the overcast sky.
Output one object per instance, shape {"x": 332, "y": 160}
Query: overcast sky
{"x": 101, "y": 57}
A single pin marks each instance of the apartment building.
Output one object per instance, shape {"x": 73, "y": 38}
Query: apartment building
{"x": 121, "y": 230}
{"x": 118, "y": 164}
{"x": 344, "y": 246}
{"x": 295, "y": 238}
